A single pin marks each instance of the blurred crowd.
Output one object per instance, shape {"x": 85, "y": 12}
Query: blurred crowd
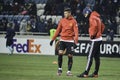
{"x": 16, "y": 7}
{"x": 109, "y": 10}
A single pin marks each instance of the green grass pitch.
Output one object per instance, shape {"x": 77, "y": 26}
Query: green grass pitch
{"x": 39, "y": 67}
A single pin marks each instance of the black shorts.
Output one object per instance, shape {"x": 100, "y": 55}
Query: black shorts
{"x": 9, "y": 42}
{"x": 69, "y": 46}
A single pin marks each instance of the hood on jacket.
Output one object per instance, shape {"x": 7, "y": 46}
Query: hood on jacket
{"x": 94, "y": 13}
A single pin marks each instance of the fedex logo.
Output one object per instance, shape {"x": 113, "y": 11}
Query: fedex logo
{"x": 29, "y": 46}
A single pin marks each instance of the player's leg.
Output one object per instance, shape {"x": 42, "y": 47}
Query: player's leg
{"x": 89, "y": 61}
{"x": 90, "y": 58}
{"x": 10, "y": 49}
{"x": 8, "y": 45}
{"x": 97, "y": 60}
{"x": 11, "y": 42}
{"x": 70, "y": 63}
{"x": 60, "y": 57}
{"x": 70, "y": 51}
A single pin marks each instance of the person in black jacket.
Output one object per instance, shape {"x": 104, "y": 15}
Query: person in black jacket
{"x": 9, "y": 37}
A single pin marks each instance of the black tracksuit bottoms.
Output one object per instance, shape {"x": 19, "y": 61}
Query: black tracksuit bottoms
{"x": 94, "y": 53}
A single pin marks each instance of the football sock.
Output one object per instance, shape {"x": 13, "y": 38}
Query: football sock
{"x": 60, "y": 58}
{"x": 86, "y": 72}
{"x": 97, "y": 65}
{"x": 10, "y": 49}
{"x": 59, "y": 68}
{"x": 70, "y": 62}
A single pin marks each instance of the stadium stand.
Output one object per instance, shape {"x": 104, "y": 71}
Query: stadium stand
{"x": 42, "y": 17}
{"x": 36, "y": 11}
{"x": 40, "y": 6}
{"x": 40, "y": 12}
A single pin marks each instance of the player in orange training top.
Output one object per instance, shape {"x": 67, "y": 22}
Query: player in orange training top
{"x": 96, "y": 28}
{"x": 68, "y": 31}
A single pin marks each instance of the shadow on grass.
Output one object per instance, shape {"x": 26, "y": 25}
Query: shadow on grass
{"x": 109, "y": 75}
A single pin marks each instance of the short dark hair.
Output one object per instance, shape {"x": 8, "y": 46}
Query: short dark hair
{"x": 67, "y": 9}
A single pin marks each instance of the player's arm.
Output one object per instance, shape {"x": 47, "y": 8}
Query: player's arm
{"x": 56, "y": 33}
{"x": 7, "y": 34}
{"x": 102, "y": 27}
{"x": 93, "y": 29}
{"x": 76, "y": 32}
{"x": 13, "y": 34}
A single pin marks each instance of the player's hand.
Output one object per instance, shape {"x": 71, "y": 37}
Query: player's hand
{"x": 92, "y": 37}
{"x": 51, "y": 42}
{"x": 5, "y": 37}
{"x": 75, "y": 46}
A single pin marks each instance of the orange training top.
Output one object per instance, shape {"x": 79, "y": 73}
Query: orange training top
{"x": 96, "y": 26}
{"x": 68, "y": 29}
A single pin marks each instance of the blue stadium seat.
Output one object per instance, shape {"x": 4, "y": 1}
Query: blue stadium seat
{"x": 6, "y": 16}
{"x": 53, "y": 18}
{"x": 26, "y": 17}
{"x": 48, "y": 17}
{"x": 1, "y": 16}
{"x": 39, "y": 6}
{"x": 58, "y": 19}
{"x": 10, "y": 17}
{"x": 40, "y": 12}
{"x": 5, "y": 1}
{"x": 43, "y": 6}
{"x": 20, "y": 17}
{"x": 43, "y": 17}
{"x": 45, "y": 1}
{"x": 36, "y": 1}
{"x": 15, "y": 17}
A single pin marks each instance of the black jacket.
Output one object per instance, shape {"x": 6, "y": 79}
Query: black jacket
{"x": 10, "y": 33}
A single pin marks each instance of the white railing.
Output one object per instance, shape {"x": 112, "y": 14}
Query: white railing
{"x": 26, "y": 33}
{"x": 46, "y": 34}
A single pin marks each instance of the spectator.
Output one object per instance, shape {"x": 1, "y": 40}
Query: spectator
{"x": 110, "y": 8}
{"x": 110, "y": 35}
{"x": 81, "y": 22}
{"x": 73, "y": 5}
{"x": 113, "y": 25}
{"x": 10, "y": 24}
{"x": 1, "y": 6}
{"x": 4, "y": 23}
{"x": 16, "y": 8}
{"x": 29, "y": 26}
{"x": 23, "y": 26}
{"x": 107, "y": 8}
{"x": 98, "y": 7}
{"x": 118, "y": 21}
{"x": 7, "y": 8}
{"x": 1, "y": 26}
{"x": 9, "y": 36}
{"x": 49, "y": 25}
{"x": 16, "y": 25}
{"x": 19, "y": 1}
{"x": 32, "y": 9}
{"x": 24, "y": 11}
{"x": 81, "y": 5}
{"x": 59, "y": 9}
{"x": 48, "y": 7}
{"x": 90, "y": 3}
{"x": 41, "y": 26}
{"x": 33, "y": 24}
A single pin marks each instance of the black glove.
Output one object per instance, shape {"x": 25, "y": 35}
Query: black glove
{"x": 51, "y": 42}
{"x": 74, "y": 46}
{"x": 5, "y": 37}
{"x": 92, "y": 37}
